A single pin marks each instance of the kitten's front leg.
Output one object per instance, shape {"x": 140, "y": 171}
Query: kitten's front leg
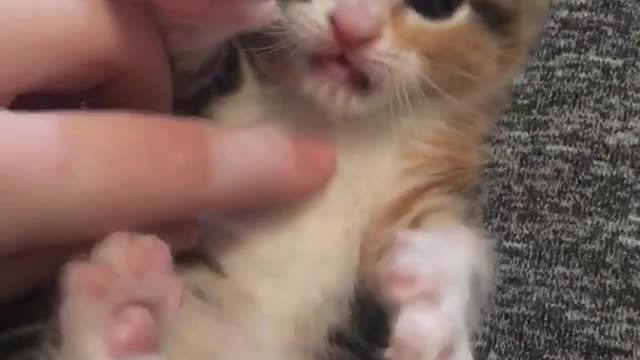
{"x": 422, "y": 254}
{"x": 117, "y": 303}
{"x": 429, "y": 278}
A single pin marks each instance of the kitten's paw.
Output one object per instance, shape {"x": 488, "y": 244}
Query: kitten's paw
{"x": 116, "y": 303}
{"x": 427, "y": 278}
{"x": 424, "y": 333}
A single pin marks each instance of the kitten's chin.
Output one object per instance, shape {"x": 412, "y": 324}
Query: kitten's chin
{"x": 338, "y": 72}
{"x": 339, "y": 88}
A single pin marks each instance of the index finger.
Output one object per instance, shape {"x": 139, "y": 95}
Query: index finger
{"x": 81, "y": 175}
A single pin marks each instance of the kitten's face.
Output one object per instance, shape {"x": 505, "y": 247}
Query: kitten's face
{"x": 359, "y": 56}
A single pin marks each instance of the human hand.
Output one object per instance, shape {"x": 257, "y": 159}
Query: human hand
{"x": 196, "y": 25}
{"x": 69, "y": 177}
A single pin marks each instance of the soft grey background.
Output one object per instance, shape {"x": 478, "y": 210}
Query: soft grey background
{"x": 564, "y": 193}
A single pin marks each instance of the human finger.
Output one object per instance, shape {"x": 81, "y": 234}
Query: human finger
{"x": 111, "y": 48}
{"x": 72, "y": 175}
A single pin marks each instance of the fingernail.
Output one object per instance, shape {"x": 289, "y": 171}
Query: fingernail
{"x": 245, "y": 156}
{"x": 269, "y": 163}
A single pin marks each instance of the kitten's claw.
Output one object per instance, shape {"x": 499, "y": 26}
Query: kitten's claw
{"x": 116, "y": 303}
{"x": 427, "y": 278}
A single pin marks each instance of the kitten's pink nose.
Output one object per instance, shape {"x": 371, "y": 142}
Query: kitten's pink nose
{"x": 356, "y": 22}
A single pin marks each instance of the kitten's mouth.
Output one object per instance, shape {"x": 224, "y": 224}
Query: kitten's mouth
{"x": 338, "y": 68}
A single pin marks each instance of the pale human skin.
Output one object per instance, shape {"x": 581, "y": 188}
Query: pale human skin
{"x": 56, "y": 198}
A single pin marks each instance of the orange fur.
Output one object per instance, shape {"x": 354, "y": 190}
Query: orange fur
{"x": 443, "y": 165}
{"x": 466, "y": 58}
{"x": 438, "y": 170}
{"x": 459, "y": 59}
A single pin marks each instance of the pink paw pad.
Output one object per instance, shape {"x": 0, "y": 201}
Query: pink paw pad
{"x": 134, "y": 331}
{"x": 122, "y": 295}
{"x": 405, "y": 273}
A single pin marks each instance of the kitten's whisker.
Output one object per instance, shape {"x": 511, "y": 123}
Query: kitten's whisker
{"x": 458, "y": 71}
{"x": 274, "y": 29}
{"x": 271, "y": 46}
{"x": 281, "y": 23}
{"x": 467, "y": 75}
{"x": 447, "y": 96}
{"x": 273, "y": 32}
{"x": 429, "y": 82}
{"x": 405, "y": 107}
{"x": 423, "y": 97}
{"x": 396, "y": 97}
{"x": 405, "y": 91}
{"x": 388, "y": 64}
{"x": 293, "y": 52}
{"x": 312, "y": 26}
{"x": 276, "y": 48}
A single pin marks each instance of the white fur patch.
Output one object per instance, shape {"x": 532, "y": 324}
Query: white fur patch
{"x": 428, "y": 276}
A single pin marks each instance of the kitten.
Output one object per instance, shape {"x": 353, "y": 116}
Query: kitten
{"x": 407, "y": 92}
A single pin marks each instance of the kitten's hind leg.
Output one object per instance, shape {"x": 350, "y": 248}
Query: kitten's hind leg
{"x": 116, "y": 304}
{"x": 429, "y": 279}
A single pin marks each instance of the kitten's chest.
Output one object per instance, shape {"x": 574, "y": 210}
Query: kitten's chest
{"x": 319, "y": 239}
{"x": 368, "y": 155}
{"x": 297, "y": 269}
{"x": 327, "y": 228}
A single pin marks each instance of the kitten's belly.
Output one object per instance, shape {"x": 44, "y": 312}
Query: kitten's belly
{"x": 290, "y": 277}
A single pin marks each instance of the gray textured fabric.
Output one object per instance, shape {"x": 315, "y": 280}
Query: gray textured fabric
{"x": 564, "y": 190}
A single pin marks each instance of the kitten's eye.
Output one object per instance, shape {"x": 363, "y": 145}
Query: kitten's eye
{"x": 434, "y": 9}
